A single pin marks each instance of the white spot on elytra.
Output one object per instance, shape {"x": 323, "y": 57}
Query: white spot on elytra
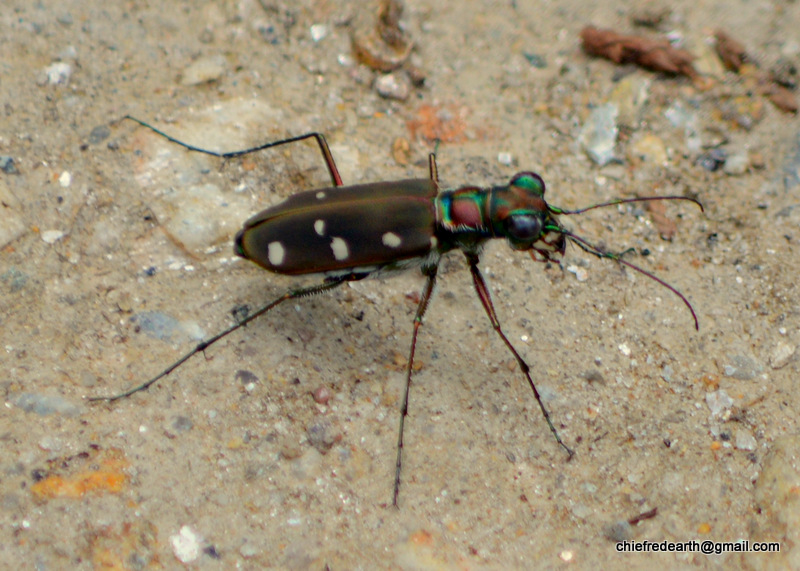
{"x": 276, "y": 253}
{"x": 320, "y": 195}
{"x": 391, "y": 240}
{"x": 319, "y": 227}
{"x": 340, "y": 249}
{"x": 434, "y": 242}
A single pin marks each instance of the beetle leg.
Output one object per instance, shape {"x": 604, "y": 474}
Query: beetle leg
{"x": 323, "y": 147}
{"x": 329, "y": 284}
{"x": 430, "y": 273}
{"x": 486, "y": 300}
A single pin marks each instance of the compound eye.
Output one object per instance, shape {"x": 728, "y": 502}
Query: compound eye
{"x": 523, "y": 227}
{"x": 530, "y": 182}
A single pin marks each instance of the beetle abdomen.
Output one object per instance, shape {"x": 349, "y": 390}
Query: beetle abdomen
{"x": 337, "y": 229}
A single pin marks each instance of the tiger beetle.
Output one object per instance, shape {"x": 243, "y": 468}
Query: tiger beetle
{"x": 348, "y": 233}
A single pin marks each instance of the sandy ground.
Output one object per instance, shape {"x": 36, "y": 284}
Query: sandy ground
{"x": 231, "y": 455}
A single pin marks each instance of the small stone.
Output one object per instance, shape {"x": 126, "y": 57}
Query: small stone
{"x": 248, "y": 550}
{"x": 164, "y": 327}
{"x": 187, "y": 544}
{"x": 318, "y": 32}
{"x": 718, "y": 402}
{"x": 322, "y": 435}
{"x": 7, "y": 165}
{"x": 536, "y": 60}
{"x": 742, "y": 367}
{"x": 204, "y": 70}
{"x": 99, "y": 134}
{"x": 182, "y": 424}
{"x": 393, "y": 86}
{"x": 12, "y": 223}
{"x": 744, "y": 440}
{"x": 599, "y": 134}
{"x": 781, "y": 354}
{"x": 65, "y": 179}
{"x": 45, "y": 405}
{"x": 52, "y": 236}
{"x": 618, "y": 531}
{"x": 713, "y": 159}
{"x": 58, "y": 73}
{"x": 506, "y": 159}
{"x": 630, "y": 95}
{"x": 581, "y": 511}
{"x": 736, "y": 164}
{"x": 322, "y": 395}
{"x": 580, "y": 273}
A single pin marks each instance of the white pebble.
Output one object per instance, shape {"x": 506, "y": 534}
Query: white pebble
{"x": 318, "y": 32}
{"x": 52, "y": 236}
{"x": 204, "y": 70}
{"x": 65, "y": 179}
{"x": 58, "y": 73}
{"x": 186, "y": 544}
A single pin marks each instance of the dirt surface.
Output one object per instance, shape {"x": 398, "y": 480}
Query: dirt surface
{"x": 231, "y": 455}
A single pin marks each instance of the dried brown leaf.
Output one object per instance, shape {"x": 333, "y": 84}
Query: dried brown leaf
{"x": 657, "y": 55}
{"x": 731, "y": 52}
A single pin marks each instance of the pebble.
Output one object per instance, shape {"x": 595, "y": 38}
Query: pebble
{"x": 182, "y": 424}
{"x": 599, "y": 134}
{"x": 248, "y": 379}
{"x": 45, "y": 405}
{"x": 58, "y": 73}
{"x": 393, "y": 86}
{"x": 65, "y": 180}
{"x": 14, "y": 278}
{"x": 318, "y": 32}
{"x": 248, "y": 550}
{"x": 7, "y": 165}
{"x": 744, "y": 440}
{"x": 52, "y": 236}
{"x": 713, "y": 159}
{"x": 618, "y": 531}
{"x": 12, "y": 224}
{"x": 204, "y": 70}
{"x": 736, "y": 164}
{"x": 581, "y": 274}
{"x": 506, "y": 159}
{"x": 322, "y": 435}
{"x": 187, "y": 544}
{"x": 630, "y": 95}
{"x": 718, "y": 402}
{"x": 781, "y": 354}
{"x": 164, "y": 327}
{"x": 582, "y": 511}
{"x": 322, "y": 395}
{"x": 679, "y": 116}
{"x": 742, "y": 367}
{"x": 99, "y": 134}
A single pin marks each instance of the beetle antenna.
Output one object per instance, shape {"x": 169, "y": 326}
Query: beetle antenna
{"x": 556, "y": 210}
{"x": 590, "y": 248}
